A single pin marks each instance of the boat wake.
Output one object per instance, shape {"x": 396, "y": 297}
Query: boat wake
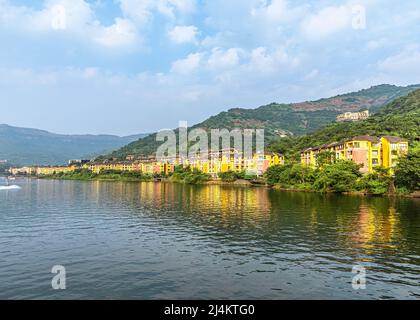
{"x": 9, "y": 188}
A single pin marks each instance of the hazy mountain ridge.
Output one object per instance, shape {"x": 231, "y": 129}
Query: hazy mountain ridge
{"x": 279, "y": 119}
{"x": 25, "y": 146}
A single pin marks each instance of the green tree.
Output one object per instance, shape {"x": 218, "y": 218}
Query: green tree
{"x": 377, "y": 182}
{"x": 407, "y": 172}
{"x": 291, "y": 175}
{"x": 341, "y": 176}
{"x": 326, "y": 157}
{"x": 232, "y": 176}
{"x": 272, "y": 175}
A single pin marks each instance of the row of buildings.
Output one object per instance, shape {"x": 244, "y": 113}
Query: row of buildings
{"x": 369, "y": 151}
{"x": 214, "y": 164}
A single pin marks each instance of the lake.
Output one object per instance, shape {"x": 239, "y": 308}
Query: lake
{"x": 173, "y": 241}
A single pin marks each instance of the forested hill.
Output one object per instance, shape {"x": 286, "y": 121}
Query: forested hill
{"x": 399, "y": 118}
{"x": 284, "y": 119}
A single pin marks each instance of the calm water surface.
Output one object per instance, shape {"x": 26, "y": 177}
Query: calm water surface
{"x": 170, "y": 241}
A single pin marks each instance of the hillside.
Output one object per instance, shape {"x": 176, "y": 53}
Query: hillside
{"x": 22, "y": 146}
{"x": 400, "y": 118}
{"x": 284, "y": 119}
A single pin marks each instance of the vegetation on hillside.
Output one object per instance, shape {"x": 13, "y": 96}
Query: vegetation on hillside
{"x": 400, "y": 118}
{"x": 282, "y": 119}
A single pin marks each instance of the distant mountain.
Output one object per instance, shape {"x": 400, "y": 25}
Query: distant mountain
{"x": 284, "y": 119}
{"x": 400, "y": 118}
{"x": 23, "y": 146}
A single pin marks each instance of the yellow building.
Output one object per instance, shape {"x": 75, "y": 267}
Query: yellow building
{"x": 340, "y": 150}
{"x": 307, "y": 157}
{"x": 227, "y": 160}
{"x": 220, "y": 162}
{"x": 54, "y": 170}
{"x": 364, "y": 150}
{"x": 22, "y": 171}
{"x": 392, "y": 149}
{"x": 368, "y": 151}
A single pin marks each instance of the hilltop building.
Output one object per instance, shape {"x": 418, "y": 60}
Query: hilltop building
{"x": 353, "y": 116}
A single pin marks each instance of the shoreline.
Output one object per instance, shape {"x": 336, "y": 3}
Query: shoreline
{"x": 237, "y": 183}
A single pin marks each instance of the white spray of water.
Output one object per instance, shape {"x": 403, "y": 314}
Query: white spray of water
{"x": 2, "y": 188}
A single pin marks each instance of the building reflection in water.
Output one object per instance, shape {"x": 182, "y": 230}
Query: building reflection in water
{"x": 376, "y": 226}
{"x": 360, "y": 225}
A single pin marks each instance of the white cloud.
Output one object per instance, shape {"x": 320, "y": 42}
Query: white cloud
{"x": 73, "y": 17}
{"x": 90, "y": 72}
{"x": 265, "y": 61}
{"x": 183, "y": 34}
{"x": 183, "y": 6}
{"x": 220, "y": 59}
{"x": 311, "y": 74}
{"x": 254, "y": 51}
{"x": 222, "y": 39}
{"x": 139, "y": 11}
{"x": 121, "y": 34}
{"x": 187, "y": 65}
{"x": 406, "y": 63}
{"x": 274, "y": 11}
{"x": 327, "y": 21}
{"x": 142, "y": 11}
{"x": 376, "y": 44}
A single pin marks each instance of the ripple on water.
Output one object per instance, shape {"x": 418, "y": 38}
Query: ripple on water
{"x": 169, "y": 241}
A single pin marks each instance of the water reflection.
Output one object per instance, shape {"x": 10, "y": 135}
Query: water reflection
{"x": 212, "y": 241}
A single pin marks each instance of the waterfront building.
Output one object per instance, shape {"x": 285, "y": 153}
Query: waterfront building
{"x": 364, "y": 150}
{"x": 221, "y": 161}
{"x": 368, "y": 151}
{"x": 392, "y": 149}
{"x": 27, "y": 171}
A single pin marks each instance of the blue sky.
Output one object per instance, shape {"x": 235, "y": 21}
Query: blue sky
{"x": 130, "y": 66}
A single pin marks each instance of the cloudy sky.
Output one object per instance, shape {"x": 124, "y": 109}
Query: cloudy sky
{"x": 130, "y": 66}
